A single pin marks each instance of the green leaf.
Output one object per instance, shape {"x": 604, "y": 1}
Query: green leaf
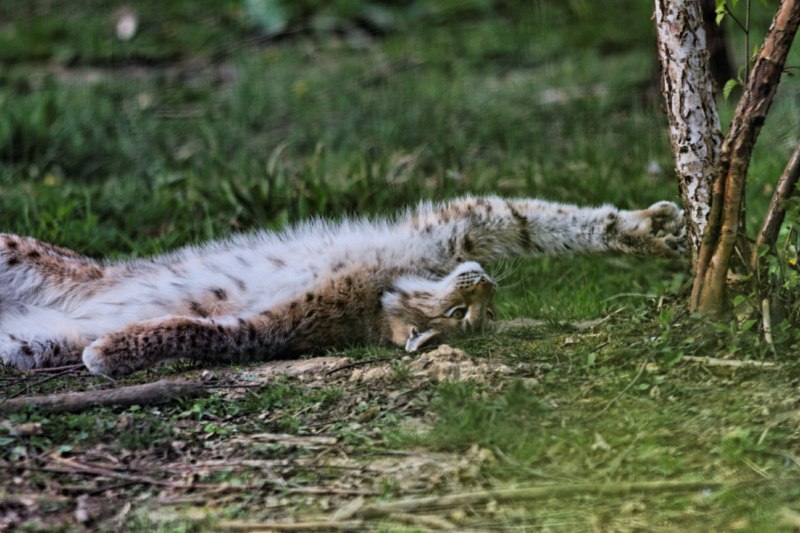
{"x": 729, "y": 86}
{"x": 721, "y": 11}
{"x": 747, "y": 325}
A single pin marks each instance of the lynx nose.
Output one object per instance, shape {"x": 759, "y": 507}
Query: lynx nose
{"x": 486, "y": 279}
{"x": 485, "y": 287}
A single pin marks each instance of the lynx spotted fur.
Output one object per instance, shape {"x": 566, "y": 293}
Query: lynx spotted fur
{"x": 412, "y": 280}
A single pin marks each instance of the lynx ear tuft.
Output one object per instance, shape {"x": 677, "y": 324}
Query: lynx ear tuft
{"x": 417, "y": 339}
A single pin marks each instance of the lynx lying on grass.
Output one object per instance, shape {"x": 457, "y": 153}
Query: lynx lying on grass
{"x": 413, "y": 281}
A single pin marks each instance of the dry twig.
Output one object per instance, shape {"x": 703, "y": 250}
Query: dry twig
{"x": 237, "y": 525}
{"x": 361, "y": 362}
{"x": 70, "y": 466}
{"x": 50, "y": 370}
{"x": 626, "y": 389}
{"x": 732, "y": 363}
{"x": 26, "y": 387}
{"x": 411, "y": 505}
{"x": 72, "y": 402}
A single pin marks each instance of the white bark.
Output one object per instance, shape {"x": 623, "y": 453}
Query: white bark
{"x": 693, "y": 118}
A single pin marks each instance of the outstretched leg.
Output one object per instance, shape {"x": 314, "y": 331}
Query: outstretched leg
{"x": 485, "y": 229}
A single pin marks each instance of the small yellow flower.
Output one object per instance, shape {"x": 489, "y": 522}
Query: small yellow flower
{"x": 51, "y": 180}
{"x": 299, "y": 89}
{"x": 272, "y": 55}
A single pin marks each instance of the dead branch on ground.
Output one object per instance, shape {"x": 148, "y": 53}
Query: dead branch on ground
{"x": 72, "y": 402}
{"x": 412, "y": 505}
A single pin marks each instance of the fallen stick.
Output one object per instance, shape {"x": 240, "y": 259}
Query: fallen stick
{"x": 732, "y": 363}
{"x": 236, "y": 525}
{"x": 29, "y": 386}
{"x": 362, "y": 362}
{"x": 72, "y": 402}
{"x": 70, "y": 466}
{"x": 412, "y": 505}
{"x": 627, "y": 387}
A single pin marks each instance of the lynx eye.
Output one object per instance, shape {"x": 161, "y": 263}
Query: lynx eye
{"x": 458, "y": 312}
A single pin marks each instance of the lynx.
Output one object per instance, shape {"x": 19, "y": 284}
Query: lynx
{"x": 413, "y": 280}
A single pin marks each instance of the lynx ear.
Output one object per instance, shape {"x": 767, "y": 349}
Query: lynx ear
{"x": 417, "y": 339}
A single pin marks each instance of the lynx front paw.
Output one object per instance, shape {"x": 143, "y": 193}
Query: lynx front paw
{"x": 659, "y": 230}
{"x": 100, "y": 357}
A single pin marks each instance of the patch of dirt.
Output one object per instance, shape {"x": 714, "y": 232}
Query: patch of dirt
{"x": 443, "y": 363}
{"x": 316, "y": 368}
{"x": 451, "y": 364}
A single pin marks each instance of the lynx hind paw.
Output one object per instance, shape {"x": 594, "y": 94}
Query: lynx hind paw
{"x": 13, "y": 354}
{"x": 666, "y": 218}
{"x": 26, "y": 355}
{"x": 659, "y": 230}
{"x": 669, "y": 225}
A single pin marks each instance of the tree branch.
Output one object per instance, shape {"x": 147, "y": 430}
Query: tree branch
{"x": 774, "y": 219}
{"x": 71, "y": 402}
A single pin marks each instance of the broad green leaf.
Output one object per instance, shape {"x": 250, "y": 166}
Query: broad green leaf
{"x": 729, "y": 86}
{"x": 747, "y": 325}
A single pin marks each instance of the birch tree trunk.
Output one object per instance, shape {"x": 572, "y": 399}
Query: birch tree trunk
{"x": 692, "y": 111}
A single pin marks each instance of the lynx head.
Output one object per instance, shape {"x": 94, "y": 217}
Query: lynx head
{"x": 421, "y": 310}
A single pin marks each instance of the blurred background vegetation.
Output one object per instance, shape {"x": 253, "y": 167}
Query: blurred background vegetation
{"x": 127, "y": 129}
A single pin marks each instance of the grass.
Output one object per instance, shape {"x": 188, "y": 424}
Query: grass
{"x": 199, "y": 127}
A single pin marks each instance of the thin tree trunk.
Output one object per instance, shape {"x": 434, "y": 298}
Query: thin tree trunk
{"x": 692, "y": 111}
{"x": 774, "y": 219}
{"x": 720, "y": 235}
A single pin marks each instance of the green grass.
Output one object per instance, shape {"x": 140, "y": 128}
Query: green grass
{"x": 199, "y": 127}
